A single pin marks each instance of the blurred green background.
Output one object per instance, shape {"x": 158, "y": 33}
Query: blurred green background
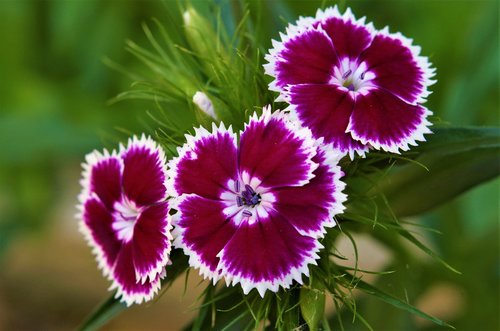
{"x": 54, "y": 93}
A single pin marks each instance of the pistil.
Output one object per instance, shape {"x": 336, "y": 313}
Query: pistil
{"x": 248, "y": 197}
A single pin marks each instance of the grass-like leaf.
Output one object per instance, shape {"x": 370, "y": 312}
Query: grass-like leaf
{"x": 369, "y": 289}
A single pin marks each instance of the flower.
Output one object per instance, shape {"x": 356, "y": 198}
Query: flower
{"x": 124, "y": 217}
{"x": 253, "y": 213}
{"x": 352, "y": 85}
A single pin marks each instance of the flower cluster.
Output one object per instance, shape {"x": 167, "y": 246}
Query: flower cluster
{"x": 251, "y": 208}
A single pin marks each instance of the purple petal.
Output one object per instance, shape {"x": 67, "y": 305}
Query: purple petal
{"x": 275, "y": 152}
{"x": 144, "y": 172}
{"x": 397, "y": 67}
{"x": 326, "y": 110}
{"x": 124, "y": 279}
{"x": 102, "y": 177}
{"x": 386, "y": 122}
{"x": 308, "y": 57}
{"x": 267, "y": 254}
{"x": 311, "y": 208}
{"x": 349, "y": 37}
{"x": 151, "y": 242}
{"x": 202, "y": 230}
{"x": 96, "y": 226}
{"x": 205, "y": 163}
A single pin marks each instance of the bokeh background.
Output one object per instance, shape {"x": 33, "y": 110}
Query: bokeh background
{"x": 54, "y": 93}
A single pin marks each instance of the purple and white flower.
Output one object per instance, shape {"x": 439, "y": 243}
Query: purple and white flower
{"x": 352, "y": 85}
{"x": 124, "y": 217}
{"x": 253, "y": 212}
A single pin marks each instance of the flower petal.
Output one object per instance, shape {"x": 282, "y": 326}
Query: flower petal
{"x": 151, "y": 242}
{"x": 398, "y": 67}
{"x": 96, "y": 225}
{"x": 205, "y": 163}
{"x": 124, "y": 279}
{"x": 267, "y": 254}
{"x": 102, "y": 177}
{"x": 386, "y": 122}
{"x": 276, "y": 151}
{"x": 311, "y": 208}
{"x": 144, "y": 172}
{"x": 349, "y": 37}
{"x": 202, "y": 230}
{"x": 325, "y": 109}
{"x": 307, "y": 57}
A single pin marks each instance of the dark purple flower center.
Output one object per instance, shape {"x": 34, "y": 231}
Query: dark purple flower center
{"x": 248, "y": 197}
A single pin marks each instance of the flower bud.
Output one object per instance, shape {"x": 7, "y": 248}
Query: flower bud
{"x": 201, "y": 100}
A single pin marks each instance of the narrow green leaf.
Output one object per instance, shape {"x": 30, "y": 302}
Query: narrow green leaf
{"x": 105, "y": 312}
{"x": 369, "y": 289}
{"x": 427, "y": 250}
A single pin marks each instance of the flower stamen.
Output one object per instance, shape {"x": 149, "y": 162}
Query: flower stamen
{"x": 247, "y": 213}
{"x": 347, "y": 74}
{"x": 250, "y": 197}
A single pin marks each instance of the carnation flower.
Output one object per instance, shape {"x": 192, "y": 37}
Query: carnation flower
{"x": 253, "y": 213}
{"x": 352, "y": 85}
{"x": 124, "y": 217}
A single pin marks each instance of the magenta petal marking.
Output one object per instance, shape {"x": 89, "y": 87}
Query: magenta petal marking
{"x": 206, "y": 163}
{"x": 150, "y": 243}
{"x": 349, "y": 38}
{"x": 132, "y": 290}
{"x": 387, "y": 122}
{"x": 98, "y": 223}
{"x": 306, "y": 58}
{"x": 203, "y": 230}
{"x": 395, "y": 67}
{"x": 310, "y": 208}
{"x": 143, "y": 173}
{"x": 275, "y": 152}
{"x": 105, "y": 180}
{"x": 267, "y": 254}
{"x": 326, "y": 110}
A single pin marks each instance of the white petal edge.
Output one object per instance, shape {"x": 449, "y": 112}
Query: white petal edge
{"x": 405, "y": 143}
{"x": 295, "y": 274}
{"x": 150, "y": 144}
{"x": 189, "y": 147}
{"x": 337, "y": 207}
{"x": 422, "y": 62}
{"x": 91, "y": 160}
{"x": 309, "y": 146}
{"x": 194, "y": 259}
{"x": 155, "y": 149}
{"x": 131, "y": 298}
{"x": 302, "y": 25}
